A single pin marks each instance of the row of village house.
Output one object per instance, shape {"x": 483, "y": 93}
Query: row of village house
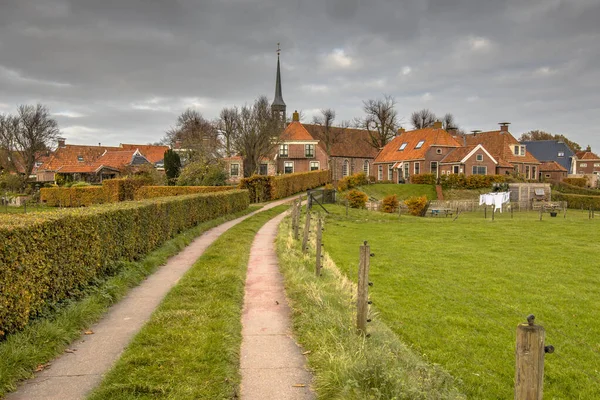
{"x": 430, "y": 150}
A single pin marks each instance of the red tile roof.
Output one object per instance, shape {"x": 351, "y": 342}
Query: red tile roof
{"x": 430, "y": 136}
{"x": 586, "y": 155}
{"x": 116, "y": 159}
{"x": 296, "y": 131}
{"x": 152, "y": 153}
{"x": 346, "y": 142}
{"x": 499, "y": 145}
{"x": 68, "y": 156}
{"x": 552, "y": 166}
{"x": 456, "y": 155}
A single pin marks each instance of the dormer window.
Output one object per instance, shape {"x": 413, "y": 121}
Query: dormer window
{"x": 80, "y": 158}
{"x": 420, "y": 144}
{"x": 402, "y": 146}
{"x": 522, "y": 150}
{"x": 561, "y": 153}
{"x": 519, "y": 150}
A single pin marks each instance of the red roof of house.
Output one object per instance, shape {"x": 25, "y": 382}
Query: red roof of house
{"x": 457, "y": 154}
{"x": 430, "y": 137}
{"x": 152, "y": 153}
{"x": 552, "y": 166}
{"x": 116, "y": 159}
{"x": 498, "y": 144}
{"x": 70, "y": 156}
{"x": 346, "y": 142}
{"x": 296, "y": 131}
{"x": 586, "y": 155}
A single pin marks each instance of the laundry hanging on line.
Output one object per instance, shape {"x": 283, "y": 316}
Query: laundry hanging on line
{"x": 495, "y": 199}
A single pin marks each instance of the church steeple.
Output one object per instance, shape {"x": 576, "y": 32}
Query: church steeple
{"x": 278, "y": 106}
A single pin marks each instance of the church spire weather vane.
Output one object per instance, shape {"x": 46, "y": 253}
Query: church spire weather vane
{"x": 278, "y": 49}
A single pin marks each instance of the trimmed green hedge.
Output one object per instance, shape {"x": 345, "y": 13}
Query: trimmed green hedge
{"x": 150, "y": 192}
{"x": 574, "y": 189}
{"x": 424, "y": 179}
{"x": 581, "y": 182}
{"x": 48, "y": 257}
{"x": 265, "y": 188}
{"x": 577, "y": 200}
{"x": 461, "y": 181}
{"x": 73, "y": 197}
{"x": 123, "y": 189}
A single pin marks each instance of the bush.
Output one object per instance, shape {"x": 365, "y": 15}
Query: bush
{"x": 48, "y": 257}
{"x": 76, "y": 196}
{"x": 265, "y": 188}
{"x": 10, "y": 182}
{"x": 423, "y": 179}
{"x": 352, "y": 181}
{"x": 572, "y": 189}
{"x": 390, "y": 204}
{"x": 581, "y": 182}
{"x": 577, "y": 201}
{"x": 416, "y": 205}
{"x": 149, "y": 192}
{"x": 357, "y": 199}
{"x": 461, "y": 181}
{"x": 201, "y": 174}
{"x": 122, "y": 189}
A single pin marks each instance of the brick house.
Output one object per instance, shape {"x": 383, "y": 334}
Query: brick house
{"x": 468, "y": 160}
{"x": 552, "y": 171}
{"x": 414, "y": 152}
{"x": 586, "y": 163}
{"x": 234, "y": 166}
{"x": 547, "y": 151}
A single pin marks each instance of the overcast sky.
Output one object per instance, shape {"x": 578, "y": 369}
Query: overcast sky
{"x": 120, "y": 71}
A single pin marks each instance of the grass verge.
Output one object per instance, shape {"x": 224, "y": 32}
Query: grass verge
{"x": 45, "y": 338}
{"x": 347, "y": 365}
{"x": 190, "y": 347}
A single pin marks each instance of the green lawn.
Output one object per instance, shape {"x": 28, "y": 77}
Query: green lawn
{"x": 403, "y": 191}
{"x": 456, "y": 290}
{"x": 190, "y": 347}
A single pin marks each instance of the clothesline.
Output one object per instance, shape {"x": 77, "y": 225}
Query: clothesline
{"x": 495, "y": 199}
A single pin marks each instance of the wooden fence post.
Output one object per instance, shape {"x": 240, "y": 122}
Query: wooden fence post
{"x": 362, "y": 303}
{"x": 318, "y": 261}
{"x": 541, "y": 208}
{"x": 296, "y": 219}
{"x": 529, "y": 354}
{"x": 306, "y": 231}
{"x": 485, "y": 212}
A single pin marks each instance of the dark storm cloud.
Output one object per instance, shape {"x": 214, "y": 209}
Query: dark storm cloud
{"x": 122, "y": 70}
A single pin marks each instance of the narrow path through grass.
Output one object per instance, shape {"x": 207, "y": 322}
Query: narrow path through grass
{"x": 190, "y": 347}
{"x": 45, "y": 338}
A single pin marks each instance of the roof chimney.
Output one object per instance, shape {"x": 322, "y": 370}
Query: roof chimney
{"x": 401, "y": 130}
{"x": 504, "y": 126}
{"x": 296, "y": 116}
{"x": 61, "y": 141}
{"x": 437, "y": 125}
{"x": 475, "y": 131}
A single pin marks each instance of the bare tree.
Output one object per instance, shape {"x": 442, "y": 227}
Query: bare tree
{"x": 422, "y": 119}
{"x": 381, "y": 120}
{"x": 541, "y": 135}
{"x": 258, "y": 134}
{"x": 197, "y": 135}
{"x": 27, "y": 135}
{"x": 227, "y": 125}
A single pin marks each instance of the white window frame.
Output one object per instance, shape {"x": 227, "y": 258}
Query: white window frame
{"x": 286, "y": 164}
{"x": 417, "y": 168}
{"x": 528, "y": 172}
{"x": 380, "y": 172}
{"x": 231, "y": 169}
{"x": 516, "y": 152}
{"x": 437, "y": 168}
{"x": 283, "y": 150}
{"x": 390, "y": 172}
{"x": 522, "y": 151}
{"x": 312, "y": 150}
{"x": 345, "y": 168}
{"x": 402, "y": 146}
{"x": 420, "y": 144}
{"x": 561, "y": 153}
{"x": 596, "y": 164}
{"x": 479, "y": 157}
{"x": 366, "y": 167}
{"x": 583, "y": 165}
{"x": 477, "y": 167}
{"x": 317, "y": 163}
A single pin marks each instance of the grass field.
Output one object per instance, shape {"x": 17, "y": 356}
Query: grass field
{"x": 456, "y": 290}
{"x": 380, "y": 190}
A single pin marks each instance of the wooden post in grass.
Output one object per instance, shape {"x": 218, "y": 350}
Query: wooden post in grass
{"x": 541, "y": 213}
{"x": 485, "y": 212}
{"x": 511, "y": 211}
{"x": 318, "y": 261}
{"x": 362, "y": 303}
{"x": 529, "y": 354}
{"x": 296, "y": 222}
{"x": 306, "y": 231}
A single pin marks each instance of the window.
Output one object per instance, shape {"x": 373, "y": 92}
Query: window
{"x": 438, "y": 151}
{"x": 390, "y": 172}
{"x": 517, "y": 168}
{"x": 288, "y": 167}
{"x": 547, "y": 175}
{"x": 583, "y": 165}
{"x": 479, "y": 170}
{"x": 527, "y": 172}
{"x": 264, "y": 169}
{"x": 479, "y": 157}
{"x": 366, "y": 167}
{"x": 234, "y": 170}
{"x": 522, "y": 150}
{"x": 309, "y": 150}
{"x": 406, "y": 168}
{"x": 402, "y": 146}
{"x": 417, "y": 168}
{"x": 455, "y": 169}
{"x": 283, "y": 150}
{"x": 345, "y": 168}
{"x": 380, "y": 173}
{"x": 534, "y": 173}
{"x": 516, "y": 150}
{"x": 595, "y": 164}
{"x": 561, "y": 153}
{"x": 420, "y": 144}
{"x": 443, "y": 172}
{"x": 314, "y": 165}
{"x": 80, "y": 158}
{"x": 434, "y": 168}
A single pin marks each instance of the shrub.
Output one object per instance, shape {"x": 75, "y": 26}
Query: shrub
{"x": 10, "y": 182}
{"x": 122, "y": 189}
{"x": 48, "y": 257}
{"x": 581, "y": 182}
{"x": 352, "y": 181}
{"x": 265, "y": 188}
{"x": 357, "y": 199}
{"x": 149, "y": 192}
{"x": 201, "y": 174}
{"x": 416, "y": 205}
{"x": 577, "y": 200}
{"x": 76, "y": 196}
{"x": 423, "y": 179}
{"x": 390, "y": 203}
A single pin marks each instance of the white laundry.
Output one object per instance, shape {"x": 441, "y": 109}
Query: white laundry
{"x": 495, "y": 199}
